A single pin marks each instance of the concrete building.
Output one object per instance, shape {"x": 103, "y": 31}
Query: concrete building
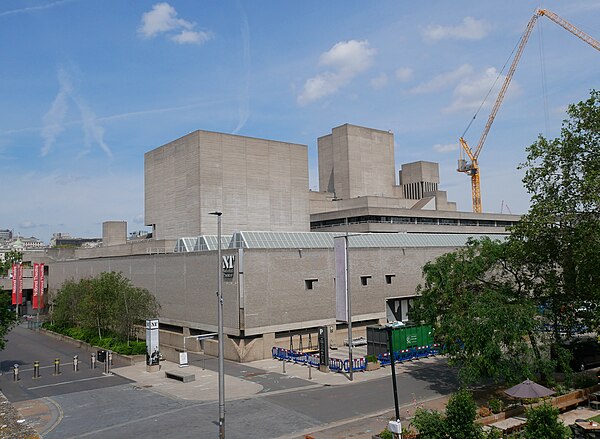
{"x": 258, "y": 184}
{"x": 276, "y": 285}
{"x": 278, "y": 280}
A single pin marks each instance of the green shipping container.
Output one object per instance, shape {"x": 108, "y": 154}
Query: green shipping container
{"x": 406, "y": 337}
{"x": 403, "y": 337}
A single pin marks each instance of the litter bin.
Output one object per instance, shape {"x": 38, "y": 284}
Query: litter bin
{"x": 101, "y": 356}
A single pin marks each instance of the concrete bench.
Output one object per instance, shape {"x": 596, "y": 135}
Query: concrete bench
{"x": 181, "y": 376}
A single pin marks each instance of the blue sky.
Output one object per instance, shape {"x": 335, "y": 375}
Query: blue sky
{"x": 87, "y": 87}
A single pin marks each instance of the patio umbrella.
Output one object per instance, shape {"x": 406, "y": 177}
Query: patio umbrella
{"x": 529, "y": 389}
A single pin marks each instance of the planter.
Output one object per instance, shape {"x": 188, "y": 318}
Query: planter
{"x": 372, "y": 366}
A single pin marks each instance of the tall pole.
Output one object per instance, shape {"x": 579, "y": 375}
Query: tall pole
{"x": 392, "y": 360}
{"x": 349, "y": 306}
{"x": 220, "y": 329}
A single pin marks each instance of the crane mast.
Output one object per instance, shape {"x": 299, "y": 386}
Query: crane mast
{"x": 472, "y": 168}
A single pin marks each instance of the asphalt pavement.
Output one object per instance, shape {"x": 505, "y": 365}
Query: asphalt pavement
{"x": 262, "y": 400}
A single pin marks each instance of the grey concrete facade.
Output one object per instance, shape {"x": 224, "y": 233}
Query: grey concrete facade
{"x": 114, "y": 233}
{"x": 357, "y": 161}
{"x": 267, "y": 298}
{"x": 258, "y": 184}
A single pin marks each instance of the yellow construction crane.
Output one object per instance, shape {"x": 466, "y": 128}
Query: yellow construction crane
{"x": 472, "y": 167}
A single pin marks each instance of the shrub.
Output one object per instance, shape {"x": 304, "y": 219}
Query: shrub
{"x": 371, "y": 359}
{"x": 543, "y": 422}
{"x": 484, "y": 412}
{"x": 583, "y": 380}
{"x": 496, "y": 405}
{"x": 386, "y": 434}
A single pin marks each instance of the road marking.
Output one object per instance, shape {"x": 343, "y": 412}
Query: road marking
{"x": 58, "y": 419}
{"x": 68, "y": 382}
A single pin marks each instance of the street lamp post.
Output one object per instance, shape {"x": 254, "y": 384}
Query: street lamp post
{"x": 220, "y": 329}
{"x": 350, "y": 359}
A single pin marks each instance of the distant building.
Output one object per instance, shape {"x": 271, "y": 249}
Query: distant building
{"x": 64, "y": 240}
{"x": 5, "y": 235}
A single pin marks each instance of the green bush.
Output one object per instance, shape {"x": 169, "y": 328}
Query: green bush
{"x": 371, "y": 359}
{"x": 584, "y": 380}
{"x": 109, "y": 342}
{"x": 496, "y": 405}
{"x": 543, "y": 422}
{"x": 386, "y": 434}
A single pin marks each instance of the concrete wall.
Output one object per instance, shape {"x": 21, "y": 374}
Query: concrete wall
{"x": 267, "y": 298}
{"x": 258, "y": 184}
{"x": 359, "y": 161}
{"x": 184, "y": 284}
{"x": 114, "y": 233}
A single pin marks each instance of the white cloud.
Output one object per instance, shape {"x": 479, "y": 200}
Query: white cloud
{"x": 449, "y": 147}
{"x": 191, "y": 37}
{"x": 379, "y": 81}
{"x": 53, "y": 120}
{"x": 404, "y": 74}
{"x": 443, "y": 80}
{"x": 469, "y": 29}
{"x": 347, "y": 59}
{"x": 470, "y": 92}
{"x": 163, "y": 18}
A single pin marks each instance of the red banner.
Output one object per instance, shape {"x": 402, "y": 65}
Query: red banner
{"x": 14, "y": 283}
{"x": 20, "y": 286}
{"x": 41, "y": 285}
{"x": 17, "y": 284}
{"x": 36, "y": 285}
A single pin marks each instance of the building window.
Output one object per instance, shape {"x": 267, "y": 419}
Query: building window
{"x": 309, "y": 284}
{"x": 388, "y": 278}
{"x": 364, "y": 280}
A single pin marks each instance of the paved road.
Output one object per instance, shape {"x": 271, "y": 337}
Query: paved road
{"x": 115, "y": 407}
{"x": 26, "y": 346}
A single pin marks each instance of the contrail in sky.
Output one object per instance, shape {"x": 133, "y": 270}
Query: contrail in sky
{"x": 34, "y": 8}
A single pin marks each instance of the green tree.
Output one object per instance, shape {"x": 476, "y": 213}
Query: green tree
{"x": 461, "y": 412}
{"x": 106, "y": 303}
{"x": 477, "y": 300}
{"x": 10, "y": 258}
{"x": 561, "y": 232}
{"x": 8, "y": 318}
{"x": 488, "y": 300}
{"x": 457, "y": 423}
{"x": 543, "y": 423}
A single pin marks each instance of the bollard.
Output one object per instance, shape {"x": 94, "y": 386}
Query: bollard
{"x": 93, "y": 361}
{"x": 75, "y": 363}
{"x": 309, "y": 372}
{"x": 107, "y": 363}
{"x": 57, "y": 366}
{"x": 36, "y": 369}
{"x": 283, "y": 362}
{"x": 203, "y": 363}
{"x": 16, "y": 372}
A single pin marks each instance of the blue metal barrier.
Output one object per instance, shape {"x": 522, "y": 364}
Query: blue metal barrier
{"x": 335, "y": 364}
{"x": 410, "y": 354}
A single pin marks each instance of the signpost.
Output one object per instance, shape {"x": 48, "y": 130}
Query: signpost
{"x": 323, "y": 349}
{"x": 152, "y": 346}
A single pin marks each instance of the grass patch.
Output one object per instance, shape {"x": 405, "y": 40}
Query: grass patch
{"x": 595, "y": 418}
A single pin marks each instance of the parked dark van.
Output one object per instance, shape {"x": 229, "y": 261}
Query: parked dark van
{"x": 585, "y": 352}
